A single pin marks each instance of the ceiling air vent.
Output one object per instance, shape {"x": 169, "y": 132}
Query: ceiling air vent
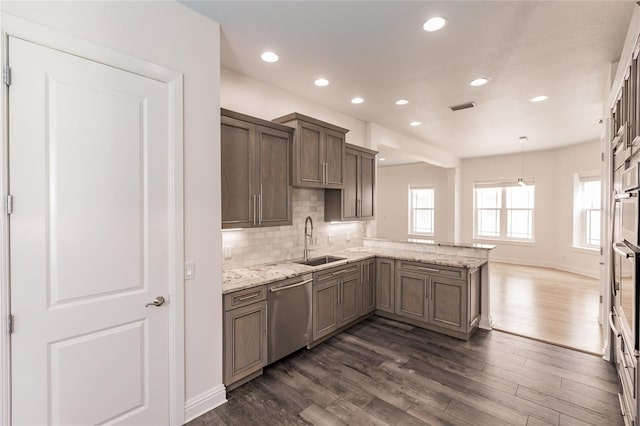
{"x": 462, "y": 106}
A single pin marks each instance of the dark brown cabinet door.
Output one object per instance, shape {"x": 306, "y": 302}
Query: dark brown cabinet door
{"x": 412, "y": 292}
{"x": 255, "y": 172}
{"x": 274, "y": 202}
{"x": 350, "y": 193}
{"x": 368, "y": 277}
{"x": 238, "y": 173}
{"x": 367, "y": 185}
{"x": 310, "y": 171}
{"x": 349, "y": 301}
{"x": 245, "y": 341}
{"x": 325, "y": 308}
{"x": 448, "y": 303}
{"x": 334, "y": 159}
{"x": 385, "y": 288}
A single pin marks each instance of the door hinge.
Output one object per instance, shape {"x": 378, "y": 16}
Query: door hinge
{"x": 602, "y": 156}
{"x": 601, "y": 251}
{"x": 6, "y": 75}
{"x": 9, "y": 204}
{"x": 10, "y": 324}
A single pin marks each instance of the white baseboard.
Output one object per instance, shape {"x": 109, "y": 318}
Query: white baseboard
{"x": 204, "y": 402}
{"x": 542, "y": 264}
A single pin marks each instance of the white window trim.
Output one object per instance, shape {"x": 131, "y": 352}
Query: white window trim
{"x": 411, "y": 232}
{"x": 580, "y": 214}
{"x": 503, "y": 184}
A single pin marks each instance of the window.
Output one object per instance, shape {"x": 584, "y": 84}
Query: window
{"x": 586, "y": 208}
{"x": 504, "y": 210}
{"x": 421, "y": 208}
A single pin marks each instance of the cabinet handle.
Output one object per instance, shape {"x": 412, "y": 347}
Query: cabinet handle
{"x": 340, "y": 289}
{"x": 248, "y": 296}
{"x": 344, "y": 271}
{"x": 259, "y": 209}
{"x": 624, "y": 413}
{"x": 437, "y": 271}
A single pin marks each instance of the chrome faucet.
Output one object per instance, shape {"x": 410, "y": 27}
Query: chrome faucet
{"x": 307, "y": 221}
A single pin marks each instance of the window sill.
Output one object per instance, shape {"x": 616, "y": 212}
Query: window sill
{"x": 588, "y": 250}
{"x": 430, "y": 237}
{"x": 507, "y": 242}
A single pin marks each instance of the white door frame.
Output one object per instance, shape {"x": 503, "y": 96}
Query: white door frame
{"x": 26, "y": 30}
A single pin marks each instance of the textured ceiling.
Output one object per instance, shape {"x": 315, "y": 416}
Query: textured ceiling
{"x": 378, "y": 51}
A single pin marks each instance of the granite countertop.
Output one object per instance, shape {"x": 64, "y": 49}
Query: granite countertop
{"x": 437, "y": 243}
{"x": 242, "y": 278}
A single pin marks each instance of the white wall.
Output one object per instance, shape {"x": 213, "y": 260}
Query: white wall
{"x": 173, "y": 36}
{"x": 553, "y": 171}
{"x": 248, "y": 96}
{"x": 393, "y": 200}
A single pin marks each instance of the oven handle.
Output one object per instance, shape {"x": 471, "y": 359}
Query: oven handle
{"x": 623, "y": 250}
{"x": 626, "y": 196}
{"x": 287, "y": 287}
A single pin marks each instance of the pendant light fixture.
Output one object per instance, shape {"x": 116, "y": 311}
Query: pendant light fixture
{"x": 522, "y": 139}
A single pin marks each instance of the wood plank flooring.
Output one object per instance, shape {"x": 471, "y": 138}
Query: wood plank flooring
{"x": 547, "y": 304}
{"x": 381, "y": 372}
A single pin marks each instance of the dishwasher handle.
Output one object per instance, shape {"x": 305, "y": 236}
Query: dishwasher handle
{"x": 287, "y": 287}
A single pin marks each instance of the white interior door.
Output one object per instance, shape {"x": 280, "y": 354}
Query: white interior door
{"x": 89, "y": 241}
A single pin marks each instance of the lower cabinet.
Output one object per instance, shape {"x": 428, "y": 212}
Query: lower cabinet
{"x": 412, "y": 295}
{"x": 441, "y": 298}
{"x": 448, "y": 303}
{"x": 337, "y": 299}
{"x": 325, "y": 308}
{"x": 368, "y": 279}
{"x": 245, "y": 335}
{"x": 384, "y": 285}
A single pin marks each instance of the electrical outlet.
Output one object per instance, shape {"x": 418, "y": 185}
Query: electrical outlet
{"x": 348, "y": 236}
{"x": 330, "y": 239}
{"x": 227, "y": 252}
{"x": 189, "y": 270}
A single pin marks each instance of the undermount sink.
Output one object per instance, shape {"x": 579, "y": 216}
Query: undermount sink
{"x": 321, "y": 260}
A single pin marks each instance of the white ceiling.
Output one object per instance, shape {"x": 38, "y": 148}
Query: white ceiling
{"x": 378, "y": 51}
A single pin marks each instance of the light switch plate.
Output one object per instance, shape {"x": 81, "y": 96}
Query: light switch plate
{"x": 189, "y": 270}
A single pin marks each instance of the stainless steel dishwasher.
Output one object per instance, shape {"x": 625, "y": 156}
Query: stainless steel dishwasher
{"x": 288, "y": 316}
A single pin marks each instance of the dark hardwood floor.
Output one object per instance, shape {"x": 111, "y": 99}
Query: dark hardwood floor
{"x": 381, "y": 372}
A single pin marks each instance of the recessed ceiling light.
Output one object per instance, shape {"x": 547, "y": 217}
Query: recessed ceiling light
{"x": 539, "y": 98}
{"x": 415, "y": 123}
{"x": 434, "y": 24}
{"x": 402, "y": 102}
{"x": 479, "y": 81}
{"x": 381, "y": 159}
{"x": 269, "y": 57}
{"x": 357, "y": 100}
{"x": 321, "y": 82}
{"x": 523, "y": 139}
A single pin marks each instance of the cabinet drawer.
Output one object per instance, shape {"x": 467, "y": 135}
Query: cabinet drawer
{"x": 244, "y": 297}
{"x": 427, "y": 268}
{"x": 337, "y": 272}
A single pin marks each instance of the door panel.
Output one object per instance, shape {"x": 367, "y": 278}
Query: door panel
{"x": 350, "y": 298}
{"x": 448, "y": 303}
{"x": 411, "y": 295}
{"x": 325, "y": 309}
{"x": 310, "y": 169}
{"x": 275, "y": 205}
{"x": 367, "y": 179}
{"x": 351, "y": 182}
{"x": 335, "y": 153}
{"x": 90, "y": 241}
{"x": 239, "y": 175}
{"x": 385, "y": 289}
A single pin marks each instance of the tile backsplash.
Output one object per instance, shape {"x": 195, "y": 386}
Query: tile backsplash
{"x": 255, "y": 246}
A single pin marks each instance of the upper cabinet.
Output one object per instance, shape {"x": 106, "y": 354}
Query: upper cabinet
{"x": 256, "y": 187}
{"x": 318, "y": 154}
{"x": 355, "y": 201}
